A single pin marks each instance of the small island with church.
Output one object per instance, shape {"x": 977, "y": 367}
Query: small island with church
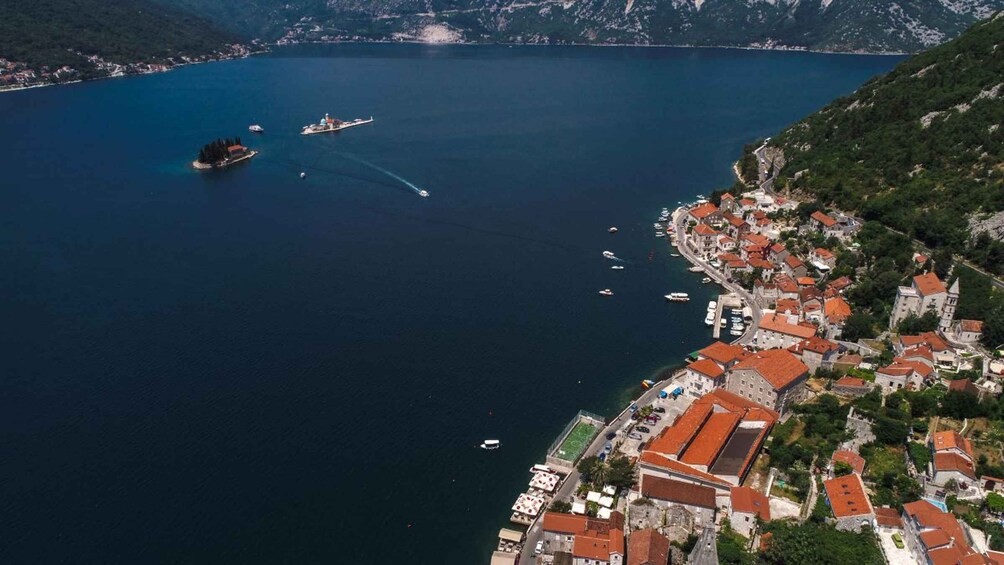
{"x": 222, "y": 153}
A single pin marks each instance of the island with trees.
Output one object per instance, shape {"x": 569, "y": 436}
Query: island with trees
{"x": 222, "y": 153}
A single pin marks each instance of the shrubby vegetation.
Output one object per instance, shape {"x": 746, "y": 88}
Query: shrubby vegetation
{"x": 870, "y": 153}
{"x": 813, "y": 543}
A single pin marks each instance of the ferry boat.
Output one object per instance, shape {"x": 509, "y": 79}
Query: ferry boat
{"x": 678, "y": 297}
{"x": 617, "y": 268}
{"x": 696, "y": 269}
{"x": 606, "y": 292}
{"x": 709, "y": 320}
{"x": 608, "y": 254}
{"x": 612, "y": 229}
{"x": 490, "y": 444}
{"x": 255, "y": 128}
{"x": 327, "y": 123}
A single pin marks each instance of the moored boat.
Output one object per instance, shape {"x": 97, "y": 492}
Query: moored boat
{"x": 606, "y": 292}
{"x": 678, "y": 297}
{"x": 255, "y": 128}
{"x": 490, "y": 444}
{"x": 612, "y": 229}
{"x": 608, "y": 254}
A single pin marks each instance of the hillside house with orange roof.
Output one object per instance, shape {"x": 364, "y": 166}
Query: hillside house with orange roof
{"x": 773, "y": 378}
{"x": 703, "y": 240}
{"x": 746, "y": 505}
{"x": 953, "y": 458}
{"x": 816, "y": 352}
{"x": 781, "y": 331}
{"x": 712, "y": 444}
{"x": 937, "y": 537}
{"x": 849, "y": 502}
{"x": 706, "y": 213}
{"x": 648, "y": 546}
{"x": 898, "y": 375}
{"x": 701, "y": 376}
{"x": 591, "y": 541}
{"x": 823, "y": 259}
{"x": 836, "y": 311}
{"x": 966, "y": 331}
{"x": 852, "y": 386}
{"x": 926, "y": 293}
{"x": 855, "y": 461}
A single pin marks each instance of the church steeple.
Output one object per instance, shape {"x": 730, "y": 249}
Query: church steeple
{"x": 948, "y": 311}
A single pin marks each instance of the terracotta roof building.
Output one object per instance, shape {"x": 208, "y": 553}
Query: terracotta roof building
{"x": 772, "y": 378}
{"x": 779, "y": 331}
{"x": 852, "y": 385}
{"x": 934, "y": 536}
{"x": 855, "y": 461}
{"x": 648, "y": 547}
{"x": 601, "y": 541}
{"x": 747, "y": 505}
{"x": 697, "y": 499}
{"x": 953, "y": 458}
{"x": 849, "y": 502}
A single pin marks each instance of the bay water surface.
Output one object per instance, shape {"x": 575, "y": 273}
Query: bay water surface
{"x": 247, "y": 366}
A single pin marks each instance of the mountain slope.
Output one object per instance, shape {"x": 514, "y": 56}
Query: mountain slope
{"x": 54, "y": 33}
{"x": 920, "y": 149}
{"x": 836, "y": 25}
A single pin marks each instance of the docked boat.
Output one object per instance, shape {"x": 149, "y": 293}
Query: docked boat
{"x": 723, "y": 323}
{"x": 736, "y": 333}
{"x": 423, "y": 193}
{"x": 303, "y": 175}
{"x": 696, "y": 269}
{"x": 490, "y": 444}
{"x": 647, "y": 383}
{"x": 706, "y": 280}
{"x": 612, "y": 229}
{"x": 709, "y": 320}
{"x": 606, "y": 292}
{"x": 618, "y": 267}
{"x": 674, "y": 254}
{"x": 712, "y": 305}
{"x": 255, "y": 128}
{"x": 608, "y": 254}
{"x": 678, "y": 297}
{"x": 329, "y": 124}
{"x": 659, "y": 234}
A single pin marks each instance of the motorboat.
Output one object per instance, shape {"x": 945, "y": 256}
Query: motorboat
{"x": 647, "y": 383}
{"x": 659, "y": 234}
{"x": 612, "y": 229}
{"x": 606, "y": 292}
{"x": 490, "y": 444}
{"x": 678, "y": 297}
{"x": 674, "y": 254}
{"x": 723, "y": 323}
{"x": 706, "y": 280}
{"x": 712, "y": 305}
{"x": 696, "y": 269}
{"x": 618, "y": 267}
{"x": 736, "y": 333}
{"x": 608, "y": 254}
{"x": 423, "y": 193}
{"x": 709, "y": 320}
{"x": 303, "y": 175}
{"x": 255, "y": 128}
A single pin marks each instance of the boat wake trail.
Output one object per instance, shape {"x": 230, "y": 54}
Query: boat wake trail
{"x": 398, "y": 178}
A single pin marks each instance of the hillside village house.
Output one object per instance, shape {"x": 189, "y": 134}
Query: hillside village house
{"x": 822, "y": 259}
{"x": 926, "y": 294}
{"x": 836, "y": 311}
{"x": 966, "y": 331}
{"x": 852, "y": 386}
{"x": 589, "y": 541}
{"x": 780, "y": 331}
{"x": 936, "y": 537}
{"x": 908, "y": 374}
{"x": 953, "y": 459}
{"x": 849, "y": 502}
{"x": 705, "y": 214}
{"x": 699, "y": 377}
{"x": 746, "y": 506}
{"x": 773, "y": 378}
{"x": 703, "y": 241}
{"x": 816, "y": 352}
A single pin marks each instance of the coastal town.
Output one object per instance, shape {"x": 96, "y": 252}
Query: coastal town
{"x": 879, "y": 446}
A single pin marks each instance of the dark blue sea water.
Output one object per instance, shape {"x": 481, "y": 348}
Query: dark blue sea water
{"x": 243, "y": 366}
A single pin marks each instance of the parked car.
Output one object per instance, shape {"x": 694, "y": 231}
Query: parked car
{"x": 656, "y": 416}
{"x": 540, "y": 548}
{"x": 659, "y": 409}
{"x": 634, "y": 435}
{"x": 603, "y": 456}
{"x": 611, "y": 435}
{"x": 650, "y": 420}
{"x": 642, "y": 429}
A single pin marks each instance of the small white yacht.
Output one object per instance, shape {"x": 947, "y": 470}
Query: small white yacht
{"x": 712, "y": 305}
{"x": 674, "y": 254}
{"x": 608, "y": 254}
{"x": 696, "y": 269}
{"x": 618, "y": 267}
{"x": 606, "y": 292}
{"x": 678, "y": 297}
{"x": 612, "y": 229}
{"x": 660, "y": 234}
{"x": 255, "y": 128}
{"x": 706, "y": 280}
{"x": 736, "y": 333}
{"x": 423, "y": 193}
{"x": 490, "y": 444}
{"x": 303, "y": 175}
{"x": 709, "y": 320}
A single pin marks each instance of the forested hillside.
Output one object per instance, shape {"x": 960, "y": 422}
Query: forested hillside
{"x": 920, "y": 149}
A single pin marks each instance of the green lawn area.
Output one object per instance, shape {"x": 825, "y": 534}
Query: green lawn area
{"x": 576, "y": 442}
{"x": 884, "y": 460}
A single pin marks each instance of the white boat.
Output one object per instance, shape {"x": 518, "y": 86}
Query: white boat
{"x": 617, "y": 268}
{"x": 706, "y": 280}
{"x": 674, "y": 254}
{"x": 659, "y": 234}
{"x": 736, "y": 333}
{"x": 696, "y": 269}
{"x": 423, "y": 193}
{"x": 712, "y": 305}
{"x": 608, "y": 254}
{"x": 723, "y": 323}
{"x": 678, "y": 297}
{"x": 303, "y": 175}
{"x": 490, "y": 444}
{"x": 606, "y": 292}
{"x": 612, "y": 229}
{"x": 327, "y": 124}
{"x": 709, "y": 320}
{"x": 255, "y": 128}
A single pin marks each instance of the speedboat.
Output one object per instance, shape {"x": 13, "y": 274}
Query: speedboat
{"x": 678, "y": 297}
{"x": 706, "y": 280}
{"x": 674, "y": 254}
{"x": 647, "y": 383}
{"x": 255, "y": 128}
{"x": 608, "y": 254}
{"x": 612, "y": 229}
{"x": 712, "y": 305}
{"x": 618, "y": 267}
{"x": 606, "y": 292}
{"x": 303, "y": 175}
{"x": 709, "y": 320}
{"x": 490, "y": 444}
{"x": 423, "y": 193}
{"x": 659, "y": 234}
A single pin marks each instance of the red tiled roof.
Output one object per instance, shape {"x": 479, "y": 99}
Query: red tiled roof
{"x": 648, "y": 546}
{"x": 823, "y": 254}
{"x": 594, "y": 538}
{"x": 841, "y": 283}
{"x": 805, "y": 281}
{"x": 974, "y": 326}
{"x": 678, "y": 492}
{"x": 837, "y": 309}
{"x": 675, "y": 438}
{"x": 778, "y": 366}
{"x": 815, "y": 344}
{"x": 756, "y": 239}
{"x": 853, "y": 459}
{"x": 847, "y": 496}
{"x": 935, "y": 538}
{"x": 954, "y": 462}
{"x": 951, "y": 439}
{"x": 922, "y": 351}
{"x": 704, "y": 210}
{"x": 705, "y": 229}
{"x": 850, "y": 381}
{"x": 777, "y": 248}
{"x": 723, "y": 353}
{"x": 793, "y": 262}
{"x": 823, "y": 219}
{"x": 785, "y": 283}
{"x": 922, "y": 369}
{"x": 728, "y": 196}
{"x": 777, "y": 323}
{"x": 888, "y": 517}
{"x": 711, "y": 439}
{"x": 788, "y": 305}
{"x": 657, "y": 460}
{"x": 749, "y": 501}
{"x": 706, "y": 367}
{"x": 928, "y": 284}
{"x": 932, "y": 518}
